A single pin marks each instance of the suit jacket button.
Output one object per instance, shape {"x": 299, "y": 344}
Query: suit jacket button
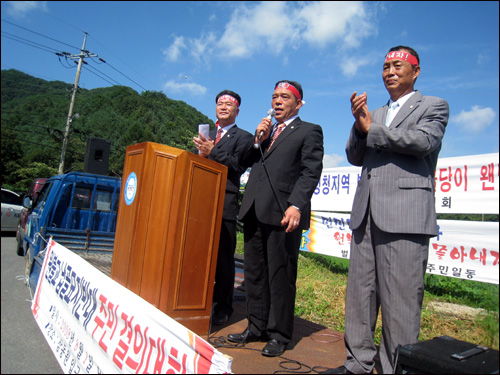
{"x": 369, "y": 176}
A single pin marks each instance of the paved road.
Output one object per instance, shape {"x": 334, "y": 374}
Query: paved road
{"x": 23, "y": 347}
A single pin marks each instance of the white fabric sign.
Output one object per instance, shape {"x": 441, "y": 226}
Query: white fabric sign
{"x": 464, "y": 185}
{"x": 463, "y": 249}
{"x": 95, "y": 325}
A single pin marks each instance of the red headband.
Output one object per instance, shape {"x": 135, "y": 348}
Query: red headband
{"x": 230, "y": 98}
{"x": 404, "y": 56}
{"x": 289, "y": 87}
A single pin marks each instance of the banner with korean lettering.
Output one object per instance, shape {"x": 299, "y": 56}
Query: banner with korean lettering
{"x": 464, "y": 185}
{"x": 95, "y": 325}
{"x": 463, "y": 249}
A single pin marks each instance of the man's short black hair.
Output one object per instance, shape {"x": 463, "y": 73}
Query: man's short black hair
{"x": 228, "y": 92}
{"x": 409, "y": 49}
{"x": 294, "y": 84}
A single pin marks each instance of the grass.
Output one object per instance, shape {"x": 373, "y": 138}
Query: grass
{"x": 321, "y": 288}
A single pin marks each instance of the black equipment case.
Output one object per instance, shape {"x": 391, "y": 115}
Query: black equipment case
{"x": 446, "y": 355}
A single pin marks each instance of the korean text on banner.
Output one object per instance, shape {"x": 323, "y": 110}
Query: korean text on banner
{"x": 462, "y": 249}
{"x": 95, "y": 325}
{"x": 464, "y": 185}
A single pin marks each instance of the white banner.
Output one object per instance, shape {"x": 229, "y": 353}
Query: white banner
{"x": 464, "y": 185}
{"x": 95, "y": 325}
{"x": 463, "y": 249}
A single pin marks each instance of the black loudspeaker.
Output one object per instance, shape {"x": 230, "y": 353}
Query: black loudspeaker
{"x": 97, "y": 156}
{"x": 446, "y": 355}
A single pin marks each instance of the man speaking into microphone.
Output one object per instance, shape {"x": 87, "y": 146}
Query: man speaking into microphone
{"x": 287, "y": 161}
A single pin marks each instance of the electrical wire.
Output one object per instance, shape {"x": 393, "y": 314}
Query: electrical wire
{"x": 123, "y": 61}
{"x": 28, "y": 42}
{"x": 44, "y": 36}
{"x": 269, "y": 179}
{"x": 25, "y": 140}
{"x": 130, "y": 79}
{"x": 66, "y": 54}
{"x": 289, "y": 366}
{"x": 104, "y": 74}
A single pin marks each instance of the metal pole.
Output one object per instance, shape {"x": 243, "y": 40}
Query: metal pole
{"x": 70, "y": 112}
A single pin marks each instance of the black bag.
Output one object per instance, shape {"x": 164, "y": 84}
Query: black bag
{"x": 446, "y": 355}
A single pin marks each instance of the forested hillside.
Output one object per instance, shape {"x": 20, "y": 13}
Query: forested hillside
{"x": 34, "y": 113}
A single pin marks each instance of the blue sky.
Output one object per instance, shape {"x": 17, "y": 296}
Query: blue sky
{"x": 193, "y": 50}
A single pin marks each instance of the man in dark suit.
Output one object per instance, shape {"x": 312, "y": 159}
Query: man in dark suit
{"x": 275, "y": 209}
{"x": 393, "y": 214}
{"x": 228, "y": 141}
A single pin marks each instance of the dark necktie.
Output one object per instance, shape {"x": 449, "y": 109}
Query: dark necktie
{"x": 276, "y": 133}
{"x": 219, "y": 134}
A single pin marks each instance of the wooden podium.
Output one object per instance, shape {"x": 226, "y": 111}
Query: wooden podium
{"x": 167, "y": 231}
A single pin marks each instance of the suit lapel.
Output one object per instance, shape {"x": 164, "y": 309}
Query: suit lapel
{"x": 230, "y": 133}
{"x": 290, "y": 128}
{"x": 411, "y": 104}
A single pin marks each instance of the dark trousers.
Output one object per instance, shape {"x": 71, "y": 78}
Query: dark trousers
{"x": 270, "y": 268}
{"x": 224, "y": 274}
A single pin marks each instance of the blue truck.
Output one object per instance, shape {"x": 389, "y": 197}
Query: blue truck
{"x": 79, "y": 211}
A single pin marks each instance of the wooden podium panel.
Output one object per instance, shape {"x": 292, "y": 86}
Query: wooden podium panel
{"x": 167, "y": 231}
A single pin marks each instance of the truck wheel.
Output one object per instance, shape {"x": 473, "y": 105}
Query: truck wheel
{"x": 20, "y": 250}
{"x": 28, "y": 266}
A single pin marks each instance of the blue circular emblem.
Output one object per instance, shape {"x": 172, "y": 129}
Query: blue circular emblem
{"x": 130, "y": 188}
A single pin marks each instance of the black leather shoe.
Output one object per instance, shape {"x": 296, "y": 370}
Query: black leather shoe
{"x": 337, "y": 370}
{"x": 273, "y": 348}
{"x": 245, "y": 337}
{"x": 219, "y": 318}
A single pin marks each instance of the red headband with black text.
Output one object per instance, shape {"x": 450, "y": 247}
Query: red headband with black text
{"x": 229, "y": 98}
{"x": 289, "y": 87}
{"x": 400, "y": 55}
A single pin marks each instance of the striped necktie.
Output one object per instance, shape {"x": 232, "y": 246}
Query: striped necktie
{"x": 276, "y": 133}
{"x": 219, "y": 134}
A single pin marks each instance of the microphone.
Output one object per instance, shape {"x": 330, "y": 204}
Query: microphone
{"x": 270, "y": 114}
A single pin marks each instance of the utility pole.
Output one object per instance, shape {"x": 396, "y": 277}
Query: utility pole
{"x": 80, "y": 57}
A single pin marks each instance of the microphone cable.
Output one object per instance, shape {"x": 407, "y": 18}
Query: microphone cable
{"x": 269, "y": 179}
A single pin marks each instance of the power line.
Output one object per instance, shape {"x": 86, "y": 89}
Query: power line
{"x": 130, "y": 79}
{"x": 24, "y": 131}
{"x": 44, "y": 36}
{"x": 28, "y": 42}
{"x": 32, "y": 74}
{"x": 66, "y": 55}
{"x": 61, "y": 54}
{"x": 41, "y": 144}
{"x": 97, "y": 41}
{"x": 123, "y": 61}
{"x": 88, "y": 67}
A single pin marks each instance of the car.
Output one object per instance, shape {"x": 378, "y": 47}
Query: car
{"x": 31, "y": 195}
{"x": 11, "y": 209}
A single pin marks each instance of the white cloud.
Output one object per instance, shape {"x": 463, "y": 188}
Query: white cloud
{"x": 483, "y": 58}
{"x": 327, "y": 22}
{"x": 201, "y": 47}
{"x": 332, "y": 160}
{"x": 475, "y": 120}
{"x": 181, "y": 87}
{"x": 19, "y": 9}
{"x": 173, "y": 52}
{"x": 198, "y": 48}
{"x": 276, "y": 26}
{"x": 351, "y": 65}
{"x": 266, "y": 27}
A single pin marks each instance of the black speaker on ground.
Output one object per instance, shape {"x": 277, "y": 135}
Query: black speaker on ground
{"x": 446, "y": 355}
{"x": 97, "y": 156}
